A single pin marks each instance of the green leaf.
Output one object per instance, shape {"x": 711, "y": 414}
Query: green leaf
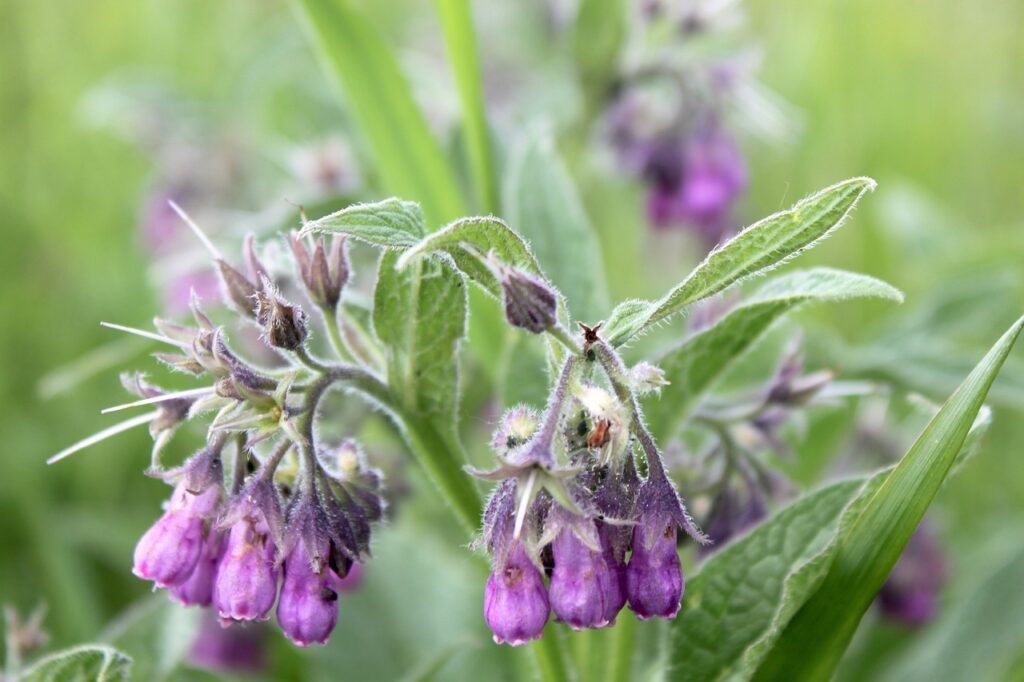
{"x": 483, "y": 235}
{"x": 760, "y": 247}
{"x": 407, "y": 156}
{"x": 460, "y": 41}
{"x": 976, "y": 637}
{"x": 86, "y": 663}
{"x": 695, "y": 365}
{"x": 391, "y": 223}
{"x": 815, "y": 639}
{"x": 419, "y": 314}
{"x": 541, "y": 201}
{"x": 739, "y": 602}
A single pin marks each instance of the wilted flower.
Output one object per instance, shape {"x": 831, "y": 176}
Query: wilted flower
{"x": 284, "y": 324}
{"x": 323, "y": 274}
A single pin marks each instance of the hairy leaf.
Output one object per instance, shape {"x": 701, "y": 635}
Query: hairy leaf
{"x": 744, "y": 594}
{"x": 86, "y": 663}
{"x": 542, "y": 203}
{"x": 815, "y": 639}
{"x": 482, "y": 235}
{"x": 419, "y": 314}
{"x": 409, "y": 159}
{"x": 391, "y": 223}
{"x": 758, "y": 248}
{"x": 695, "y": 365}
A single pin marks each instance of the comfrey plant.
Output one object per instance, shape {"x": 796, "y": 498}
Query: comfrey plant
{"x": 584, "y": 518}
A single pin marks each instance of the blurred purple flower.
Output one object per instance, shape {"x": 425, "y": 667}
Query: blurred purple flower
{"x": 229, "y": 649}
{"x": 911, "y": 594}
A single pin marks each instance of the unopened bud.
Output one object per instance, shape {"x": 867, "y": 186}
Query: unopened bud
{"x": 284, "y": 325}
{"x": 646, "y": 378}
{"x": 238, "y": 290}
{"x": 529, "y": 302}
{"x": 323, "y": 274}
{"x": 517, "y": 426}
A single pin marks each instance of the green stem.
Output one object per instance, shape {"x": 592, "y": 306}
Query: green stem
{"x": 565, "y": 338}
{"x": 332, "y": 322}
{"x": 547, "y": 652}
{"x": 460, "y": 40}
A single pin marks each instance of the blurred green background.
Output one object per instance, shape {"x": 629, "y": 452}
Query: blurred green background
{"x": 926, "y": 97}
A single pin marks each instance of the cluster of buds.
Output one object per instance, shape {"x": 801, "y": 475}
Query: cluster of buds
{"x": 572, "y": 507}
{"x": 263, "y": 514}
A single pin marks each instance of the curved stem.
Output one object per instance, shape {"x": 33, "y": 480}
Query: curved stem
{"x": 550, "y": 661}
{"x": 332, "y": 322}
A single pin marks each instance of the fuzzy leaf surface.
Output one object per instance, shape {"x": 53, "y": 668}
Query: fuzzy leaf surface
{"x": 694, "y": 366}
{"x": 391, "y": 223}
{"x": 764, "y": 245}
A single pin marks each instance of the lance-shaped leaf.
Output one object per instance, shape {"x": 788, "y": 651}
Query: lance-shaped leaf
{"x": 745, "y": 593}
{"x": 87, "y": 662}
{"x": 758, "y": 248}
{"x": 419, "y": 314}
{"x": 541, "y": 200}
{"x": 695, "y": 365}
{"x": 814, "y": 640}
{"x": 391, "y": 223}
{"x": 407, "y": 156}
{"x": 482, "y": 236}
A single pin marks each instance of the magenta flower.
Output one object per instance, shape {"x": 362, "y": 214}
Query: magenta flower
{"x": 516, "y": 603}
{"x": 654, "y": 578}
{"x": 582, "y": 585}
{"x": 198, "y": 589}
{"x": 247, "y": 576}
{"x": 308, "y": 608}
{"x": 169, "y": 551}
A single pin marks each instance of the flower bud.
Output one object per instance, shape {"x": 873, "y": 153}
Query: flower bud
{"x": 516, "y": 603}
{"x": 284, "y": 325}
{"x": 198, "y": 589}
{"x": 613, "y": 554}
{"x": 247, "y": 576}
{"x": 308, "y": 608}
{"x": 646, "y": 378}
{"x": 529, "y": 302}
{"x": 517, "y": 427}
{"x": 238, "y": 291}
{"x": 581, "y": 584}
{"x": 323, "y": 275}
{"x": 169, "y": 551}
{"x": 654, "y": 578}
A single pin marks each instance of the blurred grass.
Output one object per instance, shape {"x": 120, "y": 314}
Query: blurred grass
{"x": 926, "y": 92}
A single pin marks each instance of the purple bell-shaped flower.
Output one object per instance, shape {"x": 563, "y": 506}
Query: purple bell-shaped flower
{"x": 516, "y": 602}
{"x": 169, "y": 551}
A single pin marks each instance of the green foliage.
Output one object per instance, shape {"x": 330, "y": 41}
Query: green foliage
{"x": 157, "y": 634}
{"x": 695, "y": 365}
{"x": 391, "y": 223}
{"x": 736, "y": 607}
{"x": 541, "y": 202}
{"x": 483, "y": 236}
{"x": 764, "y": 245}
{"x": 817, "y": 636}
{"x": 86, "y": 663}
{"x": 407, "y": 156}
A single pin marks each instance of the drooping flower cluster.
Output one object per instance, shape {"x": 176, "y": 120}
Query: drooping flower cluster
{"x": 264, "y": 514}
{"x": 572, "y": 508}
